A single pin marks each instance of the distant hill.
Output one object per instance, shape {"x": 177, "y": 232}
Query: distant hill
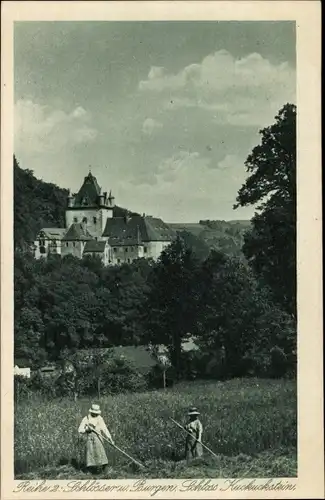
{"x": 226, "y": 236}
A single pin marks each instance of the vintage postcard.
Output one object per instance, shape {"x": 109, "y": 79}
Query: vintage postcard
{"x": 161, "y": 272}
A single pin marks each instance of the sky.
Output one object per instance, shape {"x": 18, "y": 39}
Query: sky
{"x": 164, "y": 113}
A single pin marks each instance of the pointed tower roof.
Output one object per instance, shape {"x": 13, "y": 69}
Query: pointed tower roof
{"x": 77, "y": 232}
{"x": 89, "y": 192}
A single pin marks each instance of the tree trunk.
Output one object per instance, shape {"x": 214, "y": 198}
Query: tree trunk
{"x": 164, "y": 379}
{"x": 98, "y": 387}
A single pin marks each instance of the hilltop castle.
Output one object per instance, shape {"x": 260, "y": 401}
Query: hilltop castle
{"x": 91, "y": 229}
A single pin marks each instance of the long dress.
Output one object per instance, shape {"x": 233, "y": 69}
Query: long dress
{"x": 95, "y": 451}
{"x": 193, "y": 446}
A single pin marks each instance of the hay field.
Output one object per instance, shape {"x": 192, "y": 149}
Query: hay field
{"x": 250, "y": 424}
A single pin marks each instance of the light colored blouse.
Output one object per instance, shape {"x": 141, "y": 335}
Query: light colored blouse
{"x": 195, "y": 428}
{"x": 97, "y": 423}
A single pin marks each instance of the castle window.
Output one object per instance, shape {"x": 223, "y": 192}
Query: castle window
{"x": 145, "y": 249}
{"x": 85, "y": 220}
{"x": 118, "y": 261}
{"x": 74, "y": 244}
{"x": 75, "y": 219}
{"x": 126, "y": 250}
{"x": 53, "y": 246}
{"x": 115, "y": 249}
{"x": 129, "y": 261}
{"x": 95, "y": 220}
{"x": 42, "y": 243}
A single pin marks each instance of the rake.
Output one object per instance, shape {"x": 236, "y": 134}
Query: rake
{"x": 118, "y": 449}
{"x": 183, "y": 428}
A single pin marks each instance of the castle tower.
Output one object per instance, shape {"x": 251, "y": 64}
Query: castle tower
{"x": 89, "y": 207}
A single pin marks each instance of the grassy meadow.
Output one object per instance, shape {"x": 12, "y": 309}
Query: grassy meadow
{"x": 250, "y": 425}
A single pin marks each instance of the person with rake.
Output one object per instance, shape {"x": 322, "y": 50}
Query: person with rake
{"x": 94, "y": 427}
{"x": 194, "y": 429}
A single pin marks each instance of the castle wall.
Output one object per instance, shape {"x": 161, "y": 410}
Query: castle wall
{"x": 106, "y": 213}
{"x": 96, "y": 218}
{"x": 74, "y": 248}
{"x": 44, "y": 247}
{"x": 41, "y": 248}
{"x": 153, "y": 249}
{"x": 126, "y": 254}
{"x": 112, "y": 255}
{"x": 105, "y": 256}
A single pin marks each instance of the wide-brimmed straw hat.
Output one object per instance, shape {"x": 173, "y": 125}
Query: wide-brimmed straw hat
{"x": 193, "y": 411}
{"x": 95, "y": 409}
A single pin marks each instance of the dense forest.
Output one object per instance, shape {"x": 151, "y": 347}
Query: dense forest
{"x": 241, "y": 311}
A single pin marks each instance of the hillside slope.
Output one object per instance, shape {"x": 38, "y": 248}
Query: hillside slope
{"x": 37, "y": 204}
{"x": 226, "y": 236}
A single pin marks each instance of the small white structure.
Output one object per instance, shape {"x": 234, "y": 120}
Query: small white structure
{"x": 23, "y": 372}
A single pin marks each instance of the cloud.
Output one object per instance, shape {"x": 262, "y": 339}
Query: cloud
{"x": 150, "y": 125}
{"x": 246, "y": 91}
{"x": 227, "y": 162}
{"x": 41, "y": 129}
{"x": 80, "y": 112}
{"x": 187, "y": 188}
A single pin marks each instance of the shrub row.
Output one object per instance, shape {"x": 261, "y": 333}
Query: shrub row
{"x": 119, "y": 375}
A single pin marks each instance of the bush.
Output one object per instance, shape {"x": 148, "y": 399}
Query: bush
{"x": 22, "y": 387}
{"x": 112, "y": 376}
{"x": 116, "y": 375}
{"x": 26, "y": 388}
{"x": 109, "y": 374}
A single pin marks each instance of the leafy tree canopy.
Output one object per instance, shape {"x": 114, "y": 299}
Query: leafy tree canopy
{"x": 270, "y": 245}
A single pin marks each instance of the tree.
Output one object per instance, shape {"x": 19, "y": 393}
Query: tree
{"x": 270, "y": 245}
{"x": 120, "y": 298}
{"x": 226, "y": 305}
{"x": 238, "y": 322}
{"x": 28, "y": 333}
{"x": 171, "y": 306}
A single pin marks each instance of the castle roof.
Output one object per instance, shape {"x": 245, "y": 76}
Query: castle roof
{"x": 53, "y": 233}
{"x": 136, "y": 230}
{"x": 89, "y": 192}
{"x": 95, "y": 246}
{"x": 77, "y": 232}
